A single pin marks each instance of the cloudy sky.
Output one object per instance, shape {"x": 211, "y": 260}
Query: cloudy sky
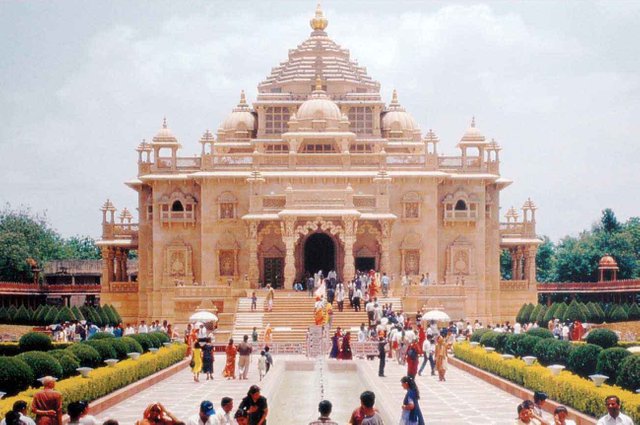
{"x": 557, "y": 84}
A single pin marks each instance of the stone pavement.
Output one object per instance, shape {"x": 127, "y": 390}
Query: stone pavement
{"x": 462, "y": 399}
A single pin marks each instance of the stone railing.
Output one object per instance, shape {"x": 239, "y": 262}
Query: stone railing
{"x": 624, "y": 285}
{"x": 123, "y": 287}
{"x": 30, "y": 288}
{"x": 73, "y": 267}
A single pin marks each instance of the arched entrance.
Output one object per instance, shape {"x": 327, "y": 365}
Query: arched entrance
{"x": 319, "y": 254}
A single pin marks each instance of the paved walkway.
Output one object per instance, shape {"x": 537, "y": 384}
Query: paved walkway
{"x": 462, "y": 399}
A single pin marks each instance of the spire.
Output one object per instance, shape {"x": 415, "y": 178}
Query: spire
{"x": 164, "y": 122}
{"x": 318, "y": 83}
{"x": 243, "y": 99}
{"x": 394, "y": 97}
{"x": 473, "y": 121}
{"x": 319, "y": 22}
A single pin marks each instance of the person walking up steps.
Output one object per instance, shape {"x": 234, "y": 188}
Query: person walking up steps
{"x": 244, "y": 349}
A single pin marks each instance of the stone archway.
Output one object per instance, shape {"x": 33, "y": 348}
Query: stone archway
{"x": 319, "y": 253}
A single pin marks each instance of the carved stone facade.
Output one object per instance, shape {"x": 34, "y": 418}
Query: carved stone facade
{"x": 320, "y": 173}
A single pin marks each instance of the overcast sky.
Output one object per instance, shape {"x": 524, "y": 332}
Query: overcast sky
{"x": 557, "y": 84}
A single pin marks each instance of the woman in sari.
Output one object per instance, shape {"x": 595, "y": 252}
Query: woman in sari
{"x": 335, "y": 349}
{"x": 318, "y": 312}
{"x": 268, "y": 334}
{"x": 411, "y": 413}
{"x": 196, "y": 361}
{"x": 345, "y": 351}
{"x": 441, "y": 357}
{"x": 231, "y": 351}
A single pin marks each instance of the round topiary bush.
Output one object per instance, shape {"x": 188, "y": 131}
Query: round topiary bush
{"x": 526, "y": 345}
{"x": 104, "y": 348}
{"x": 120, "y": 346}
{"x": 35, "y": 341}
{"x": 50, "y": 317}
{"x": 552, "y": 351}
{"x": 163, "y": 337}
{"x": 22, "y": 316}
{"x": 540, "y": 332}
{"x": 605, "y": 338}
{"x": 86, "y": 354}
{"x": 488, "y": 339}
{"x": 619, "y": 315}
{"x": 144, "y": 341}
{"x": 583, "y": 359}
{"x": 155, "y": 341}
{"x": 41, "y": 364}
{"x": 101, "y": 335}
{"x": 609, "y": 361}
{"x": 629, "y": 373}
{"x": 65, "y": 315}
{"x": 573, "y": 313}
{"x": 477, "y": 334}
{"x": 511, "y": 343}
{"x": 133, "y": 346}
{"x": 67, "y": 360}
{"x": 15, "y": 375}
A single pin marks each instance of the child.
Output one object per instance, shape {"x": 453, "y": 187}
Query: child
{"x": 254, "y": 301}
{"x": 262, "y": 364}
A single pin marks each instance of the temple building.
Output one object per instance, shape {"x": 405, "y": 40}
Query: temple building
{"x": 318, "y": 173}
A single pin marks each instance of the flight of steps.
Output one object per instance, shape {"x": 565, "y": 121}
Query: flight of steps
{"x": 292, "y": 314}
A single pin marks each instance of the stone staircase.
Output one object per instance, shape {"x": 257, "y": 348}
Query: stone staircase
{"x": 291, "y": 316}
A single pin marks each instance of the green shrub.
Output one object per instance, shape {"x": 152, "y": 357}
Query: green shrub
{"x": 116, "y": 314}
{"x": 77, "y": 313}
{"x": 619, "y": 315}
{"x": 534, "y": 313}
{"x": 9, "y": 349}
{"x": 4, "y": 315}
{"x": 65, "y": 315}
{"x": 67, "y": 360}
{"x": 526, "y": 344}
{"x": 634, "y": 312}
{"x": 86, "y": 354}
{"x": 101, "y": 335}
{"x": 477, "y": 334}
{"x": 11, "y": 312}
{"x": 22, "y": 316}
{"x": 144, "y": 341}
{"x": 629, "y": 373}
{"x": 104, "y": 348}
{"x": 155, "y": 341}
{"x": 40, "y": 316}
{"x": 113, "y": 320}
{"x": 163, "y": 337}
{"x": 540, "y": 317}
{"x": 595, "y": 316}
{"x": 573, "y": 313}
{"x": 104, "y": 320}
{"x": 488, "y": 339}
{"x": 51, "y": 316}
{"x": 15, "y": 375}
{"x": 41, "y": 364}
{"x": 120, "y": 346}
{"x": 609, "y": 361}
{"x": 552, "y": 351}
{"x": 540, "y": 332}
{"x": 133, "y": 346}
{"x": 605, "y": 338}
{"x": 583, "y": 359}
{"x": 550, "y": 313}
{"x": 526, "y": 315}
{"x": 35, "y": 341}
{"x": 562, "y": 307}
{"x": 511, "y": 343}
{"x": 521, "y": 312}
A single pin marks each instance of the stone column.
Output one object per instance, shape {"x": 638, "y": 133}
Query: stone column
{"x": 118, "y": 265}
{"x": 386, "y": 247}
{"x": 289, "y": 239}
{"x": 530, "y": 264}
{"x": 107, "y": 267}
{"x": 349, "y": 269}
{"x": 254, "y": 271}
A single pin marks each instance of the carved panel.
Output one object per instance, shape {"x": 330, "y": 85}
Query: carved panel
{"x": 227, "y": 262}
{"x": 412, "y": 262}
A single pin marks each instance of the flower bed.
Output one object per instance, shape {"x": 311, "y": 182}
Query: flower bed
{"x": 105, "y": 380}
{"x": 566, "y": 388}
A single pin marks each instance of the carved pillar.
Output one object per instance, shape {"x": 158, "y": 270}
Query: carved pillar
{"x": 530, "y": 263}
{"x": 289, "y": 239}
{"x": 254, "y": 272}
{"x": 118, "y": 265}
{"x": 386, "y": 247}
{"x": 123, "y": 265}
{"x": 349, "y": 269}
{"x": 107, "y": 267}
{"x": 514, "y": 263}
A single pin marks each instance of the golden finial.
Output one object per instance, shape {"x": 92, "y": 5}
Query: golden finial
{"x": 164, "y": 122}
{"x": 318, "y": 83}
{"x": 319, "y": 22}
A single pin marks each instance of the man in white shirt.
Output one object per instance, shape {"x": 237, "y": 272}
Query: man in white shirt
{"x": 20, "y": 407}
{"x": 143, "y": 329}
{"x": 362, "y": 334}
{"x": 224, "y": 416}
{"x": 517, "y": 328}
{"x": 614, "y": 416}
{"x": 205, "y": 416}
{"x": 130, "y": 330}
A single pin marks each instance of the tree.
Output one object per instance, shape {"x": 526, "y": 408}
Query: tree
{"x": 574, "y": 312}
{"x": 545, "y": 261}
{"x": 608, "y": 222}
{"x": 505, "y": 264}
{"x": 80, "y": 248}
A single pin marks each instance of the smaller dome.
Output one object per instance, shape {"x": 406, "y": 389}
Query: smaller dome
{"x": 240, "y": 118}
{"x": 397, "y": 114}
{"x": 165, "y": 135}
{"x": 472, "y": 135}
{"x": 607, "y": 261}
{"x": 319, "y": 106}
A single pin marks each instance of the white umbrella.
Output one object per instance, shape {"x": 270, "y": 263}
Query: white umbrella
{"x": 436, "y": 315}
{"x": 203, "y": 316}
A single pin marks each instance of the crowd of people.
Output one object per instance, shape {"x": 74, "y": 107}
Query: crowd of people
{"x": 82, "y": 330}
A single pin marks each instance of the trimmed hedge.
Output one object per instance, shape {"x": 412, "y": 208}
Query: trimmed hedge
{"x": 552, "y": 351}
{"x": 526, "y": 345}
{"x": 144, "y": 340}
{"x": 605, "y": 338}
{"x": 133, "y": 346}
{"x": 477, "y": 334}
{"x": 540, "y": 332}
{"x": 583, "y": 359}
{"x": 120, "y": 347}
{"x": 86, "y": 354}
{"x": 567, "y": 388}
{"x": 67, "y": 360}
{"x": 609, "y": 361}
{"x": 35, "y": 341}
{"x": 47, "y": 315}
{"x": 629, "y": 374}
{"x": 104, "y": 348}
{"x": 15, "y": 376}
{"x": 101, "y": 335}
{"x": 41, "y": 364}
{"x": 106, "y": 379}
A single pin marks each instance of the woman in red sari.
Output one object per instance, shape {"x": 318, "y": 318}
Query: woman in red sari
{"x": 345, "y": 350}
{"x": 231, "y": 351}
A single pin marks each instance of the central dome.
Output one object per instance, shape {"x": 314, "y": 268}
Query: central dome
{"x": 319, "y": 107}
